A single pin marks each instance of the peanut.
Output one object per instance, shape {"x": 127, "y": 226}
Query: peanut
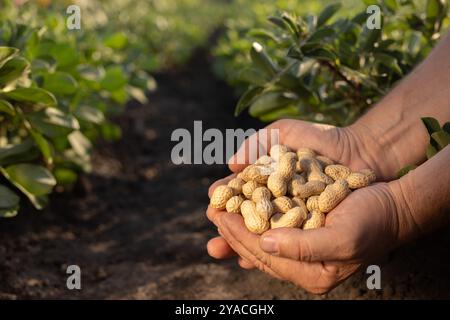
{"x": 286, "y": 166}
{"x": 261, "y": 193}
{"x": 249, "y": 187}
{"x": 282, "y": 204}
{"x": 305, "y": 153}
{"x": 265, "y": 160}
{"x": 220, "y": 197}
{"x": 337, "y": 171}
{"x": 258, "y": 173}
{"x": 252, "y": 220}
{"x": 314, "y": 171}
{"x": 264, "y": 208}
{"x": 324, "y": 161}
{"x": 236, "y": 184}
{"x": 291, "y": 219}
{"x": 277, "y": 184}
{"x": 333, "y": 195}
{"x": 294, "y": 184}
{"x": 312, "y": 203}
{"x": 361, "y": 179}
{"x": 316, "y": 219}
{"x": 233, "y": 205}
{"x": 277, "y": 151}
{"x": 311, "y": 188}
{"x": 297, "y": 202}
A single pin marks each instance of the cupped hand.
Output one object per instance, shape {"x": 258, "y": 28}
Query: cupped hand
{"x": 352, "y": 146}
{"x": 363, "y": 226}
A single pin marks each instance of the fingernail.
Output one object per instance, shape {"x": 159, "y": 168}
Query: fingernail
{"x": 269, "y": 244}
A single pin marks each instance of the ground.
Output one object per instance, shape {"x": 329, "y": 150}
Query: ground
{"x": 137, "y": 227}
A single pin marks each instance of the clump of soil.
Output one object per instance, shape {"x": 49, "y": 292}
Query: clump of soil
{"x": 137, "y": 227}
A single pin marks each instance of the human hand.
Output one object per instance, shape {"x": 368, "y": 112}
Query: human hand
{"x": 350, "y": 146}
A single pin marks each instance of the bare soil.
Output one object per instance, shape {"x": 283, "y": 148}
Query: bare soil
{"x": 137, "y": 227}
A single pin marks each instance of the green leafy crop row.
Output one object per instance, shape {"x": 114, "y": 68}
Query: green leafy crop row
{"x": 326, "y": 69}
{"x": 57, "y": 88}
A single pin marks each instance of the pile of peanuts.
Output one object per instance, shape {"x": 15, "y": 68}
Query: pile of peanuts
{"x": 288, "y": 189}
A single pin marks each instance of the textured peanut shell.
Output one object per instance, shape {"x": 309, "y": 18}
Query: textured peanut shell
{"x": 313, "y": 170}
{"x": 297, "y": 202}
{"x": 370, "y": 174}
{"x": 337, "y": 171}
{"x": 249, "y": 187}
{"x": 264, "y": 160}
{"x": 261, "y": 193}
{"x": 311, "y": 188}
{"x": 316, "y": 219}
{"x": 357, "y": 180}
{"x": 220, "y": 197}
{"x": 258, "y": 173}
{"x": 233, "y": 205}
{"x": 264, "y": 209}
{"x": 305, "y": 153}
{"x": 254, "y": 222}
{"x": 294, "y": 184}
{"x": 324, "y": 161}
{"x": 291, "y": 219}
{"x": 277, "y": 184}
{"x": 312, "y": 203}
{"x": 277, "y": 151}
{"x": 333, "y": 195}
{"x": 282, "y": 204}
{"x": 287, "y": 165}
{"x": 236, "y": 184}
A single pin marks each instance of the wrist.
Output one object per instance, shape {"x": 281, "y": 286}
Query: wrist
{"x": 408, "y": 228}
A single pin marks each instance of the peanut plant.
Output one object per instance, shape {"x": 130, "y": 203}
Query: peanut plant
{"x": 319, "y": 68}
{"x": 57, "y": 90}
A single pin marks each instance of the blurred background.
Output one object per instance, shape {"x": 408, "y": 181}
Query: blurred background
{"x": 86, "y": 117}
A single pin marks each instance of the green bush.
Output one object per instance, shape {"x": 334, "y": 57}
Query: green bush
{"x": 329, "y": 70}
{"x": 57, "y": 89}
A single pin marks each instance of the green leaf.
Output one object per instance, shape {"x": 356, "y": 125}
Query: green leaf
{"x": 114, "y": 79}
{"x": 90, "y": 114}
{"x": 391, "y": 5}
{"x": 33, "y": 180}
{"x": 405, "y": 170}
{"x": 321, "y": 54}
{"x": 80, "y": 144}
{"x": 110, "y": 131}
{"x": 431, "y": 124}
{"x": 268, "y": 102}
{"x": 278, "y": 22}
{"x": 53, "y": 122}
{"x": 327, "y": 13}
{"x": 368, "y": 38}
{"x": 433, "y": 9}
{"x": 64, "y": 54}
{"x": 446, "y": 127}
{"x": 6, "y": 54}
{"x": 262, "y": 60}
{"x": 442, "y": 138}
{"x": 14, "y": 153}
{"x": 116, "y": 40}
{"x": 8, "y": 199}
{"x": 263, "y": 34}
{"x": 31, "y": 95}
{"x": 65, "y": 177}
{"x": 431, "y": 151}
{"x": 10, "y": 212}
{"x": 321, "y": 34}
{"x": 43, "y": 145}
{"x": 246, "y": 99}
{"x": 389, "y": 62}
{"x": 61, "y": 83}
{"x": 13, "y": 70}
{"x": 7, "y": 107}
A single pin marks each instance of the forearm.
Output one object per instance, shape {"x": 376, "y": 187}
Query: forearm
{"x": 423, "y": 197}
{"x": 394, "y": 127}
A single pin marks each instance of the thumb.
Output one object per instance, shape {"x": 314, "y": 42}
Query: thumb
{"x": 314, "y": 245}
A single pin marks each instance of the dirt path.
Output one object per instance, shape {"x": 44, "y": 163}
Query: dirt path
{"x": 133, "y": 238}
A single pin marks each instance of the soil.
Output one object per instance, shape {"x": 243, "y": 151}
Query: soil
{"x": 137, "y": 227}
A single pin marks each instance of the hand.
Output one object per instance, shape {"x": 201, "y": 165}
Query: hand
{"x": 352, "y": 146}
{"x": 365, "y": 225}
